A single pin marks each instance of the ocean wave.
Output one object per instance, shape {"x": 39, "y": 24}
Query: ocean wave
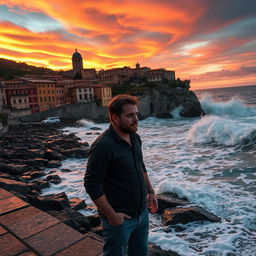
{"x": 221, "y": 131}
{"x": 235, "y": 107}
{"x": 85, "y": 123}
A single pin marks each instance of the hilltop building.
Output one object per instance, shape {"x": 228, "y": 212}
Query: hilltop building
{"x": 77, "y": 61}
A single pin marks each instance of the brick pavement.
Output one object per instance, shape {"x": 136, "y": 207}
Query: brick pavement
{"x": 28, "y": 231}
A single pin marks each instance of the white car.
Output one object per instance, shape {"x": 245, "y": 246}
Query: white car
{"x": 51, "y": 120}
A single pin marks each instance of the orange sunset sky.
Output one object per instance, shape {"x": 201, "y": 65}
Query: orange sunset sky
{"x": 211, "y": 42}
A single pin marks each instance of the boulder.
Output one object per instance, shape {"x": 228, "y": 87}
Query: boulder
{"x": 154, "y": 250}
{"x": 168, "y": 201}
{"x": 74, "y": 219}
{"x": 55, "y": 179}
{"x": 42, "y": 184}
{"x": 39, "y": 162}
{"x": 183, "y": 215}
{"x": 14, "y": 185}
{"x": 53, "y": 155}
{"x": 52, "y": 202}
{"x": 54, "y": 164}
{"x": 77, "y": 203}
{"x": 65, "y": 170}
{"x": 94, "y": 220}
{"x": 15, "y": 169}
{"x": 77, "y": 152}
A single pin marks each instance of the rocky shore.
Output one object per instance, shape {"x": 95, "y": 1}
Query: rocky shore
{"x": 28, "y": 149}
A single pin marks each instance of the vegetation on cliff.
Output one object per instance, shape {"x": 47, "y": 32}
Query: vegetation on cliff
{"x": 10, "y": 69}
{"x": 140, "y": 87}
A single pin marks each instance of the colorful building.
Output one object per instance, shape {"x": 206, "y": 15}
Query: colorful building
{"x": 103, "y": 94}
{"x": 46, "y": 93}
{"x": 159, "y": 74}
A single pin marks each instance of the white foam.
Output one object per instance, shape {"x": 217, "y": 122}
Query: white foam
{"x": 86, "y": 123}
{"x": 234, "y": 107}
{"x": 214, "y": 129}
{"x": 176, "y": 112}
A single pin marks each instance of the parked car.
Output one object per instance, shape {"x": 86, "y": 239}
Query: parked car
{"x": 51, "y": 120}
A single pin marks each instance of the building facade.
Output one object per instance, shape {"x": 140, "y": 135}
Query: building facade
{"x": 46, "y": 93}
{"x": 103, "y": 94}
{"x": 159, "y": 74}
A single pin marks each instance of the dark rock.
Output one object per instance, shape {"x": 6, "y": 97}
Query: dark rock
{"x": 72, "y": 218}
{"x": 77, "y": 203}
{"x": 15, "y": 169}
{"x": 34, "y": 174}
{"x": 39, "y": 162}
{"x": 94, "y": 220}
{"x": 65, "y": 170}
{"x": 168, "y": 201}
{"x": 163, "y": 115}
{"x": 42, "y": 183}
{"x": 77, "y": 152}
{"x": 55, "y": 179}
{"x": 14, "y": 185}
{"x": 95, "y": 128}
{"x": 53, "y": 155}
{"x": 185, "y": 215}
{"x": 52, "y": 202}
{"x": 54, "y": 163}
{"x": 154, "y": 250}
{"x": 98, "y": 230}
{"x": 85, "y": 144}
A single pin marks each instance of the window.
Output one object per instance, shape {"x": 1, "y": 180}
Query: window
{"x": 41, "y": 99}
{"x": 49, "y": 98}
{"x": 20, "y": 100}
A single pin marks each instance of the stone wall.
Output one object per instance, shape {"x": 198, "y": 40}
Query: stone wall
{"x": 72, "y": 112}
{"x": 159, "y": 102}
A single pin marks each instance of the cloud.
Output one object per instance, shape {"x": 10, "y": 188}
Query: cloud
{"x": 196, "y": 39}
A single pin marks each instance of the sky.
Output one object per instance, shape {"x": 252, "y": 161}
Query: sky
{"x": 210, "y": 42}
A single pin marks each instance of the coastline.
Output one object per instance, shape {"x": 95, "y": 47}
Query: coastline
{"x": 26, "y": 150}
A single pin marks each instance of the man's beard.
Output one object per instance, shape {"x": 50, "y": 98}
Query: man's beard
{"x": 132, "y": 128}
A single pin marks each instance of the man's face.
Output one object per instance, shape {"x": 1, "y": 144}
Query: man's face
{"x": 128, "y": 120}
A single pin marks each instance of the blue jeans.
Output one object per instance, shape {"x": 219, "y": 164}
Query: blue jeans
{"x": 130, "y": 238}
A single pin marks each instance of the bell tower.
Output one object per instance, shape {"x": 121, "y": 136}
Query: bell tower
{"x": 77, "y": 61}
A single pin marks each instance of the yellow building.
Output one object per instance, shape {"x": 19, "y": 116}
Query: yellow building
{"x": 46, "y": 92}
{"x": 103, "y": 94}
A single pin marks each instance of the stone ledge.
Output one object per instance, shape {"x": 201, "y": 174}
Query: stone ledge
{"x": 27, "y": 222}
{"x": 11, "y": 204}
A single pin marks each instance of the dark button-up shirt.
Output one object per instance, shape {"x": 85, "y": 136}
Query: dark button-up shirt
{"x": 116, "y": 169}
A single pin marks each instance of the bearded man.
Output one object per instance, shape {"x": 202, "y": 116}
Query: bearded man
{"x": 116, "y": 180}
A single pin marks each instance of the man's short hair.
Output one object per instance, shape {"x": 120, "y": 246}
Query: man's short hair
{"x": 115, "y": 106}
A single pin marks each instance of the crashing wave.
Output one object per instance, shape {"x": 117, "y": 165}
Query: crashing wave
{"x": 220, "y": 131}
{"x": 232, "y": 107}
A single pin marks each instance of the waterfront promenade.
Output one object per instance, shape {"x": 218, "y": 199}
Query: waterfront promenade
{"x": 28, "y": 231}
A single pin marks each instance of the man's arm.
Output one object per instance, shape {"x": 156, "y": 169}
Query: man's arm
{"x": 98, "y": 161}
{"x": 152, "y": 201}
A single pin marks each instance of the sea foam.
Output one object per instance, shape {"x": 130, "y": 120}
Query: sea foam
{"x": 234, "y": 107}
{"x": 218, "y": 130}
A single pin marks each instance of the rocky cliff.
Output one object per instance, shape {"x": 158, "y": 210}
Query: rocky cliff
{"x": 158, "y": 102}
{"x": 163, "y": 99}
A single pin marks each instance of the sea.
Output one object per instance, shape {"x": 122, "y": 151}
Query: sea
{"x": 210, "y": 160}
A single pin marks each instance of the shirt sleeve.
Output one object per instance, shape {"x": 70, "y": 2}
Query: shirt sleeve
{"x": 142, "y": 161}
{"x": 99, "y": 159}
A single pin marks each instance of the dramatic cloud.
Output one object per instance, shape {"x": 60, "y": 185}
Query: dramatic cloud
{"x": 211, "y": 42}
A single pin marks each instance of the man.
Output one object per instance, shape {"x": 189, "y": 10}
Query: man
{"x": 117, "y": 181}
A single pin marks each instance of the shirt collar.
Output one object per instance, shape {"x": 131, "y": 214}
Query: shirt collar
{"x": 116, "y": 136}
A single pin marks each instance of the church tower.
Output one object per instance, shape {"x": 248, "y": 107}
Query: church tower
{"x": 77, "y": 61}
